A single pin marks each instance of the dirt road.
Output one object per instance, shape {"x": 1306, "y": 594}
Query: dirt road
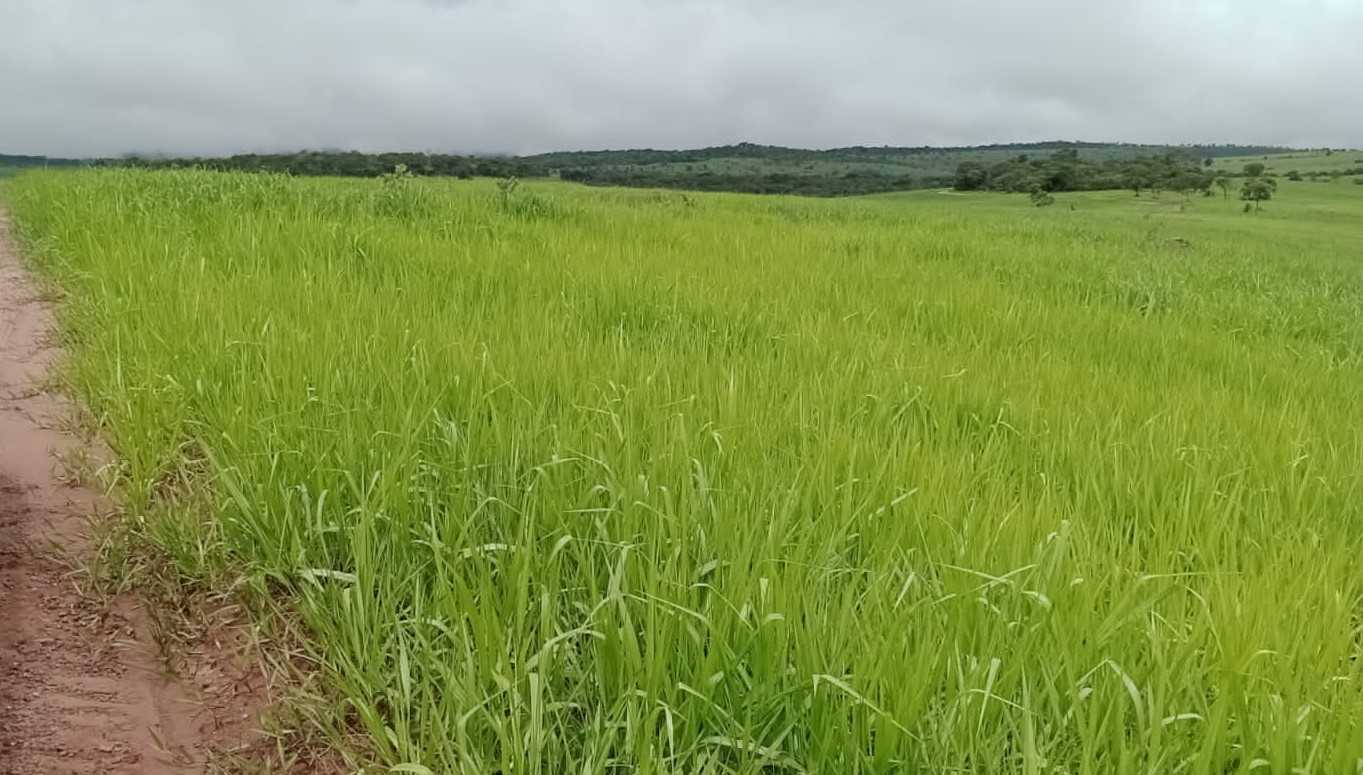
{"x": 80, "y": 689}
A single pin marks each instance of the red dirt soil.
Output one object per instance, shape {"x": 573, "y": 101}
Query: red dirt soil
{"x": 82, "y": 688}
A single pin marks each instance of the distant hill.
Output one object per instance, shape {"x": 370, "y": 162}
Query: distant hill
{"x": 835, "y": 171}
{"x": 16, "y": 160}
{"x": 743, "y": 167}
{"x": 12, "y": 164}
{"x": 883, "y": 154}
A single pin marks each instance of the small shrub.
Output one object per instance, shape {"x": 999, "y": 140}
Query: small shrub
{"x": 400, "y": 195}
{"x": 1042, "y": 198}
{"x": 533, "y": 207}
{"x": 399, "y": 176}
{"x": 506, "y": 188}
{"x": 526, "y": 206}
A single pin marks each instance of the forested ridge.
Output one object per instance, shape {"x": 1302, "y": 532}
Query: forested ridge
{"x": 754, "y": 168}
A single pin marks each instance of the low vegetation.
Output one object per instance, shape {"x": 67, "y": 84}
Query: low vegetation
{"x": 597, "y": 480}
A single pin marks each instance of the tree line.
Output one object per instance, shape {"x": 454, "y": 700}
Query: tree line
{"x": 1061, "y": 170}
{"x": 1325, "y": 175}
{"x": 763, "y": 169}
{"x": 1064, "y": 170}
{"x": 19, "y": 160}
{"x": 351, "y": 164}
{"x": 848, "y": 183}
{"x": 865, "y": 153}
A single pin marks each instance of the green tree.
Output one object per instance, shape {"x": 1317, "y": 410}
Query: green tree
{"x": 1189, "y": 182}
{"x": 971, "y": 176}
{"x": 1223, "y": 183}
{"x": 1257, "y": 190}
{"x": 1254, "y": 169}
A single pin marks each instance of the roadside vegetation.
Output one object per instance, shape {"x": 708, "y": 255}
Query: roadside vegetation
{"x": 569, "y": 479}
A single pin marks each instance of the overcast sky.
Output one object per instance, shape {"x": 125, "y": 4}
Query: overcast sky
{"x": 99, "y": 77}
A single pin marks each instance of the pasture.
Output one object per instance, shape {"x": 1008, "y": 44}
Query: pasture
{"x": 1305, "y": 162}
{"x": 563, "y": 479}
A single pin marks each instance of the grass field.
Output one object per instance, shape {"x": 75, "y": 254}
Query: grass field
{"x": 595, "y": 480}
{"x": 1302, "y": 161}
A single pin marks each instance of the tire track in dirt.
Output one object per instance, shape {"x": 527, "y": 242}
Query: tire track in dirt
{"x": 81, "y": 687}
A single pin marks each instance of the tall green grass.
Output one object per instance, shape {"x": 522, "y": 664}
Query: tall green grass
{"x": 623, "y": 481}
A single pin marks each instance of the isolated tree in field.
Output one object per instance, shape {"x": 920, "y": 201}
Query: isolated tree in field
{"x": 1257, "y": 190}
{"x": 1254, "y": 169}
{"x": 1223, "y": 183}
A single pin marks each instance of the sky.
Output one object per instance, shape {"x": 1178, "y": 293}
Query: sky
{"x": 203, "y": 77}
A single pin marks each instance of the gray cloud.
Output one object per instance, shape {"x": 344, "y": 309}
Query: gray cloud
{"x": 86, "y": 77}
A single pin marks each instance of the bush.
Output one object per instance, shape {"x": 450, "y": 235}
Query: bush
{"x": 401, "y": 196}
{"x": 971, "y": 176}
{"x": 526, "y": 206}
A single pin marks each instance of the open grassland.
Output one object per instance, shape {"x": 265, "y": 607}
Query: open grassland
{"x": 1302, "y": 161}
{"x": 593, "y": 480}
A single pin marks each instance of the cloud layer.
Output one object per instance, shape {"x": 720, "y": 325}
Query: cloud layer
{"x": 88, "y": 77}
